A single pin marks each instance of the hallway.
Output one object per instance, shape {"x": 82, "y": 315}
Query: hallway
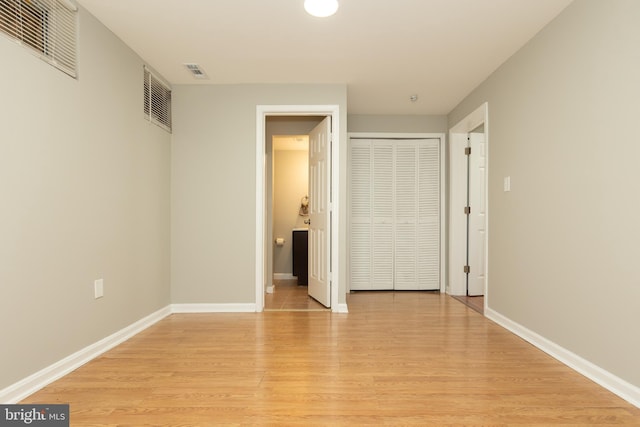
{"x": 289, "y": 296}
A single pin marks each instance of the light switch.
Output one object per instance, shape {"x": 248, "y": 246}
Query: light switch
{"x": 507, "y": 183}
{"x": 98, "y": 287}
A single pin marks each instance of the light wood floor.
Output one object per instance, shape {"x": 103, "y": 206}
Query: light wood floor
{"x": 395, "y": 359}
{"x": 476, "y": 303}
{"x": 288, "y": 296}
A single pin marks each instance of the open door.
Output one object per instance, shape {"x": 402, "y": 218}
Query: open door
{"x": 476, "y": 242}
{"x": 319, "y": 213}
{"x": 461, "y": 259}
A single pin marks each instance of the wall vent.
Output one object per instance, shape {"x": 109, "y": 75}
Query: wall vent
{"x": 47, "y": 28}
{"x": 196, "y": 71}
{"x": 157, "y": 101}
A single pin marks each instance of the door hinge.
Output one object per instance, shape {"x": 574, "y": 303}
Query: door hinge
{"x": 467, "y": 151}
{"x": 467, "y": 269}
{"x": 467, "y": 210}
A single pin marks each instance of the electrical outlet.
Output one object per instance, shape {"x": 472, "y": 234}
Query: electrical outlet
{"x": 98, "y": 288}
{"x": 507, "y": 183}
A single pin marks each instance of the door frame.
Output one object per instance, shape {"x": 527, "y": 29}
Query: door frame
{"x": 262, "y": 112}
{"x": 457, "y": 200}
{"x": 443, "y": 204}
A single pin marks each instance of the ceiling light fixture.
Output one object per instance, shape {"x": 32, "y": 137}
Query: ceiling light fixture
{"x": 321, "y": 8}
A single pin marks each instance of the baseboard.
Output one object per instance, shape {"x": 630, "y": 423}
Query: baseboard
{"x": 20, "y": 390}
{"x": 606, "y": 379}
{"x": 341, "y": 308}
{"x": 213, "y": 308}
{"x": 283, "y": 276}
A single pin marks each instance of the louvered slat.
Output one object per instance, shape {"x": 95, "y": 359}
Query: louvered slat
{"x": 405, "y": 181}
{"x": 360, "y": 179}
{"x": 428, "y": 248}
{"x": 360, "y": 256}
{"x": 405, "y": 215}
{"x": 395, "y": 214}
{"x": 383, "y": 181}
{"x": 429, "y": 179}
{"x": 428, "y": 255}
{"x": 382, "y": 245}
{"x": 47, "y": 27}
{"x": 361, "y": 239}
{"x": 157, "y": 101}
{"x": 405, "y": 257}
{"x": 382, "y": 259}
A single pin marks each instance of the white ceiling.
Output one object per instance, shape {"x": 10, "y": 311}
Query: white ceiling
{"x": 385, "y": 51}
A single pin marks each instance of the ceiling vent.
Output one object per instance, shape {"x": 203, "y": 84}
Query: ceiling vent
{"x": 196, "y": 71}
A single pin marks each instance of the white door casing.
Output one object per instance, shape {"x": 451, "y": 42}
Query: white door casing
{"x": 477, "y": 217}
{"x": 262, "y": 112}
{"x": 319, "y": 214}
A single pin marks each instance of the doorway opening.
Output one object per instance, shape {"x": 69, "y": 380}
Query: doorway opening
{"x": 468, "y": 208}
{"x": 288, "y": 207}
{"x": 322, "y": 220}
{"x": 287, "y": 190}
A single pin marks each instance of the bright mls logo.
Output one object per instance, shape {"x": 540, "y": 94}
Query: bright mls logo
{"x": 34, "y": 415}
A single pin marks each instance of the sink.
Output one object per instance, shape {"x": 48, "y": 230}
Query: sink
{"x": 301, "y": 229}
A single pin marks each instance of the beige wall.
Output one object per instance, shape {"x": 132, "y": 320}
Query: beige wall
{"x": 290, "y": 184}
{"x": 214, "y": 185}
{"x": 403, "y": 124}
{"x": 563, "y": 244}
{"x": 85, "y": 185}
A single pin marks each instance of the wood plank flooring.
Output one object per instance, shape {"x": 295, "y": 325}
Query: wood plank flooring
{"x": 476, "y": 303}
{"x": 288, "y": 296}
{"x": 404, "y": 358}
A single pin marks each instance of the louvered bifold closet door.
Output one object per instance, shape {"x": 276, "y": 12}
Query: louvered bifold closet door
{"x": 406, "y": 213}
{"x": 382, "y": 210}
{"x": 395, "y": 214}
{"x": 428, "y": 248}
{"x": 361, "y": 238}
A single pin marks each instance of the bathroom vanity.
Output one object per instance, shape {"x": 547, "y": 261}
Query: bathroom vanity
{"x": 300, "y": 241}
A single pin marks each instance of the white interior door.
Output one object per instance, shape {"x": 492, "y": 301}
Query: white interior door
{"x": 477, "y": 217}
{"x": 319, "y": 214}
